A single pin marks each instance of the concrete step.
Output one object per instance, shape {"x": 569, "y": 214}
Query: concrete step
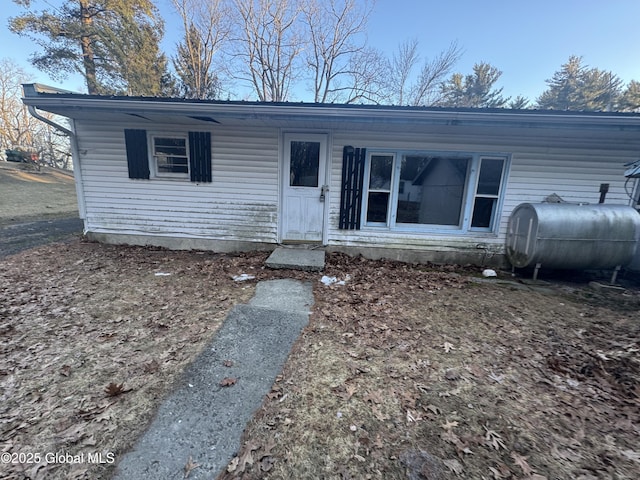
{"x": 296, "y": 258}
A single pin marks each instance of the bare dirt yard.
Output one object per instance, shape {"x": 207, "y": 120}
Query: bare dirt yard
{"x": 406, "y": 371}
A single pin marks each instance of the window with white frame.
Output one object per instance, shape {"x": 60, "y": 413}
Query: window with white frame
{"x": 170, "y": 156}
{"x": 487, "y": 192}
{"x": 433, "y": 191}
{"x": 380, "y": 173}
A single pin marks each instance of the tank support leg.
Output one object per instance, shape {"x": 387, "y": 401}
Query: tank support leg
{"x": 535, "y": 271}
{"x": 615, "y": 274}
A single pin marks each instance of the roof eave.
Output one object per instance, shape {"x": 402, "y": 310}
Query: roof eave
{"x": 49, "y": 100}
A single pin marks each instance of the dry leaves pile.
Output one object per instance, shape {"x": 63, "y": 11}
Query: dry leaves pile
{"x": 404, "y": 372}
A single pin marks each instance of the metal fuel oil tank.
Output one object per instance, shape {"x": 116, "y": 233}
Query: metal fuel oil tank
{"x": 570, "y": 236}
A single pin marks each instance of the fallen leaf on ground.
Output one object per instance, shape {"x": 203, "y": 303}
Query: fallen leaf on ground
{"x": 449, "y": 436}
{"x": 494, "y": 439}
{"x": 268, "y": 447}
{"x": 454, "y": 465}
{"x": 448, "y": 347}
{"x": 496, "y": 474}
{"x": 374, "y": 396}
{"x": 413, "y": 416}
{"x": 449, "y": 425}
{"x": 152, "y": 367}
{"x": 233, "y": 464}
{"x": 435, "y": 410}
{"x": 228, "y": 363}
{"x": 631, "y": 455}
{"x": 351, "y": 389}
{"x": 522, "y": 463}
{"x": 246, "y": 458}
{"x": 113, "y": 389}
{"x": 228, "y": 382}
{"x": 190, "y": 466}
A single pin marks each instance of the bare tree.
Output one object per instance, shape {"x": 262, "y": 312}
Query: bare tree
{"x": 425, "y": 88}
{"x": 206, "y": 25}
{"x": 403, "y": 61}
{"x": 336, "y": 35}
{"x": 269, "y": 44}
{"x": 365, "y": 84}
{"x": 14, "y": 118}
{"x": 18, "y": 129}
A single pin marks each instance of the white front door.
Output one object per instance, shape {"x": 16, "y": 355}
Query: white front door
{"x": 304, "y": 192}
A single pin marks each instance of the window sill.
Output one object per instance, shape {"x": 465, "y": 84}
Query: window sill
{"x": 431, "y": 231}
{"x": 172, "y": 178}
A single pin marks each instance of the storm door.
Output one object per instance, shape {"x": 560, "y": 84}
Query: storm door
{"x": 305, "y": 192}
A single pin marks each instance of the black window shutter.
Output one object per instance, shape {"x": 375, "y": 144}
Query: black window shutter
{"x": 352, "y": 180}
{"x": 137, "y": 153}
{"x": 200, "y": 156}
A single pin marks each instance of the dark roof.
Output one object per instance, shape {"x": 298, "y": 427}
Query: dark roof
{"x": 42, "y": 91}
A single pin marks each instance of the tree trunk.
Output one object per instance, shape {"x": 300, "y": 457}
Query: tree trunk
{"x": 87, "y": 48}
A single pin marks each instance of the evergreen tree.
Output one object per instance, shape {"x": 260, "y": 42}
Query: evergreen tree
{"x": 577, "y": 87}
{"x": 139, "y": 68}
{"x": 193, "y": 67}
{"x": 519, "y": 103}
{"x": 601, "y": 90}
{"x": 206, "y": 28}
{"x": 475, "y": 90}
{"x": 453, "y": 92}
{"x": 563, "y": 86}
{"x": 630, "y": 99}
{"x": 96, "y": 38}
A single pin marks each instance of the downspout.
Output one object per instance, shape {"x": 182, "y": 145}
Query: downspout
{"x": 34, "y": 113}
{"x": 75, "y": 157}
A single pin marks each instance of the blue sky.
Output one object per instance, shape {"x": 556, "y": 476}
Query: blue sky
{"x": 527, "y": 39}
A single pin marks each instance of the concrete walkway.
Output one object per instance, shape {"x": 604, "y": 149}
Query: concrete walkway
{"x": 203, "y": 420}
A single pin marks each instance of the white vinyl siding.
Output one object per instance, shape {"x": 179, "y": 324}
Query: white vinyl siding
{"x": 243, "y": 200}
{"x": 239, "y": 204}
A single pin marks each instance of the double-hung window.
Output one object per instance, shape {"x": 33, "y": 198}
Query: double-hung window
{"x": 432, "y": 191}
{"x": 179, "y": 156}
{"x": 170, "y": 156}
{"x": 487, "y": 192}
{"x": 380, "y": 176}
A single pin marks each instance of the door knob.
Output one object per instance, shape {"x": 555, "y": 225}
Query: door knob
{"x": 323, "y": 190}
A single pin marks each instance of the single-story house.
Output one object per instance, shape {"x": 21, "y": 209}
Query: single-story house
{"x": 410, "y": 183}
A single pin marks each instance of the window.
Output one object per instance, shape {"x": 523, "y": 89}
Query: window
{"x": 170, "y": 156}
{"x": 380, "y": 172}
{"x": 432, "y": 191}
{"x": 304, "y": 164}
{"x": 186, "y": 156}
{"x": 487, "y": 192}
